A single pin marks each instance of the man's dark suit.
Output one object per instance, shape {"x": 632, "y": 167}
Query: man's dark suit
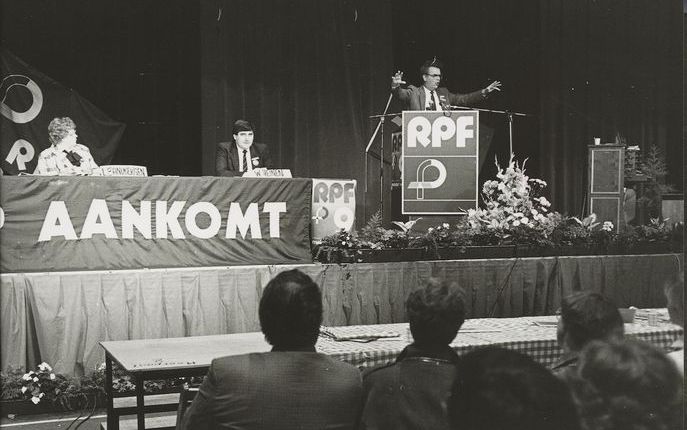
{"x": 414, "y": 97}
{"x": 277, "y": 390}
{"x": 227, "y": 158}
{"x": 412, "y": 393}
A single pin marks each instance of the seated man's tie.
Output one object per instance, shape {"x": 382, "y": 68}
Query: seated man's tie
{"x": 246, "y": 161}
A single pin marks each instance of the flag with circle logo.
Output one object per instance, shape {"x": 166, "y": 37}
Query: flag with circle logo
{"x": 30, "y": 100}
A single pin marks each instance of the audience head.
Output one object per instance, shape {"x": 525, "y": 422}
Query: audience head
{"x": 585, "y": 317}
{"x": 675, "y": 295}
{"x": 436, "y": 311}
{"x": 61, "y": 128}
{"x": 501, "y": 389}
{"x": 627, "y": 385}
{"x": 291, "y": 310}
{"x": 243, "y": 133}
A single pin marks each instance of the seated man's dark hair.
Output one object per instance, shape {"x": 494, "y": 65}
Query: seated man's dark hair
{"x": 436, "y": 312}
{"x": 628, "y": 385}
{"x": 675, "y": 296}
{"x": 497, "y": 389}
{"x": 424, "y": 69}
{"x": 241, "y": 125}
{"x": 589, "y": 316}
{"x": 291, "y": 310}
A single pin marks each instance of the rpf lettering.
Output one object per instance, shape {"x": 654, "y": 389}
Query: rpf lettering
{"x": 330, "y": 193}
{"x": 441, "y": 129}
{"x": 22, "y": 152}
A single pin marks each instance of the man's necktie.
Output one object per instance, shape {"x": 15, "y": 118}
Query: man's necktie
{"x": 246, "y": 161}
{"x": 432, "y": 103}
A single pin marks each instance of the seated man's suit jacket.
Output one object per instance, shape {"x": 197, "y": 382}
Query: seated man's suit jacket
{"x": 411, "y": 393}
{"x": 414, "y": 97}
{"x": 227, "y": 158}
{"x": 277, "y": 390}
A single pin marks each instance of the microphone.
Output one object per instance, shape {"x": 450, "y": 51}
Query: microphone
{"x": 73, "y": 157}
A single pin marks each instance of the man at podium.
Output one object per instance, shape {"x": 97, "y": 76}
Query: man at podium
{"x": 240, "y": 155}
{"x": 430, "y": 96}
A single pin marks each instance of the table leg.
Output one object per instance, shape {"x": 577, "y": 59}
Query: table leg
{"x": 112, "y": 419}
{"x": 140, "y": 405}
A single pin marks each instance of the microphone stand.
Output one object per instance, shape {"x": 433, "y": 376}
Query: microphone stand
{"x": 510, "y": 116}
{"x": 380, "y": 125}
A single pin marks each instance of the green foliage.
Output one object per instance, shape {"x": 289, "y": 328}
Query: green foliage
{"x": 653, "y": 163}
{"x": 372, "y": 231}
{"x": 11, "y": 383}
{"x": 653, "y": 166}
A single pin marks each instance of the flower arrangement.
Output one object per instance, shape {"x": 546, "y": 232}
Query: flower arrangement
{"x": 39, "y": 383}
{"x": 44, "y": 386}
{"x": 515, "y": 207}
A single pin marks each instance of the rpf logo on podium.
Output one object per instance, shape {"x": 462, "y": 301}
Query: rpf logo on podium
{"x": 440, "y": 158}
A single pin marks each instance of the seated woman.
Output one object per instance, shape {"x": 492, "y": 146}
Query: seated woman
{"x": 65, "y": 157}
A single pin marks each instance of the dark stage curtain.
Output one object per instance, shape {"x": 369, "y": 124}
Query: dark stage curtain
{"x": 306, "y": 73}
{"x": 607, "y": 67}
{"x": 136, "y": 61}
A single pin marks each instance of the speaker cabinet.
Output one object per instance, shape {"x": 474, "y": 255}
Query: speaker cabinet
{"x": 606, "y": 191}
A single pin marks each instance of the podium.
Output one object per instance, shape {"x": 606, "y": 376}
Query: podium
{"x": 439, "y": 162}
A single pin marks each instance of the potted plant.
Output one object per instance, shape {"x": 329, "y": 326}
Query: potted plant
{"x": 341, "y": 247}
{"x": 35, "y": 391}
{"x": 574, "y": 236}
{"x": 648, "y": 239}
{"x": 380, "y": 244}
{"x": 653, "y": 166}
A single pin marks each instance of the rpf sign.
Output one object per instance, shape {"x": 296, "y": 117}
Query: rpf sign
{"x": 440, "y": 159}
{"x": 333, "y": 206}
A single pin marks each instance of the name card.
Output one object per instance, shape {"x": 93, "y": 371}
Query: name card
{"x": 123, "y": 170}
{"x": 263, "y": 172}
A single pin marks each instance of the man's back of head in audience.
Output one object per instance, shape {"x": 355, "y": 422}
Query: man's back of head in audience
{"x": 628, "y": 385}
{"x": 435, "y": 312}
{"x": 587, "y": 316}
{"x": 501, "y": 389}
{"x": 675, "y": 295}
{"x": 291, "y": 311}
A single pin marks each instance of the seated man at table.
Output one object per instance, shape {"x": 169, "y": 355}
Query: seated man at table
{"x": 236, "y": 157}
{"x": 412, "y": 392}
{"x": 675, "y": 295}
{"x": 585, "y": 317}
{"x": 291, "y": 387}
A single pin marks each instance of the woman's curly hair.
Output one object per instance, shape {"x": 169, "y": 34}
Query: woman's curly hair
{"x": 59, "y": 128}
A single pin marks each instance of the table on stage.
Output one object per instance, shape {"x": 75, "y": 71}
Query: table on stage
{"x": 367, "y": 346}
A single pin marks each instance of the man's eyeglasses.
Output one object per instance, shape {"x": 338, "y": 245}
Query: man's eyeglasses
{"x": 433, "y": 76}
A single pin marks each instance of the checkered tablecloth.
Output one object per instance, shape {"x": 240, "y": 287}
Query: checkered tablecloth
{"x": 534, "y": 336}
